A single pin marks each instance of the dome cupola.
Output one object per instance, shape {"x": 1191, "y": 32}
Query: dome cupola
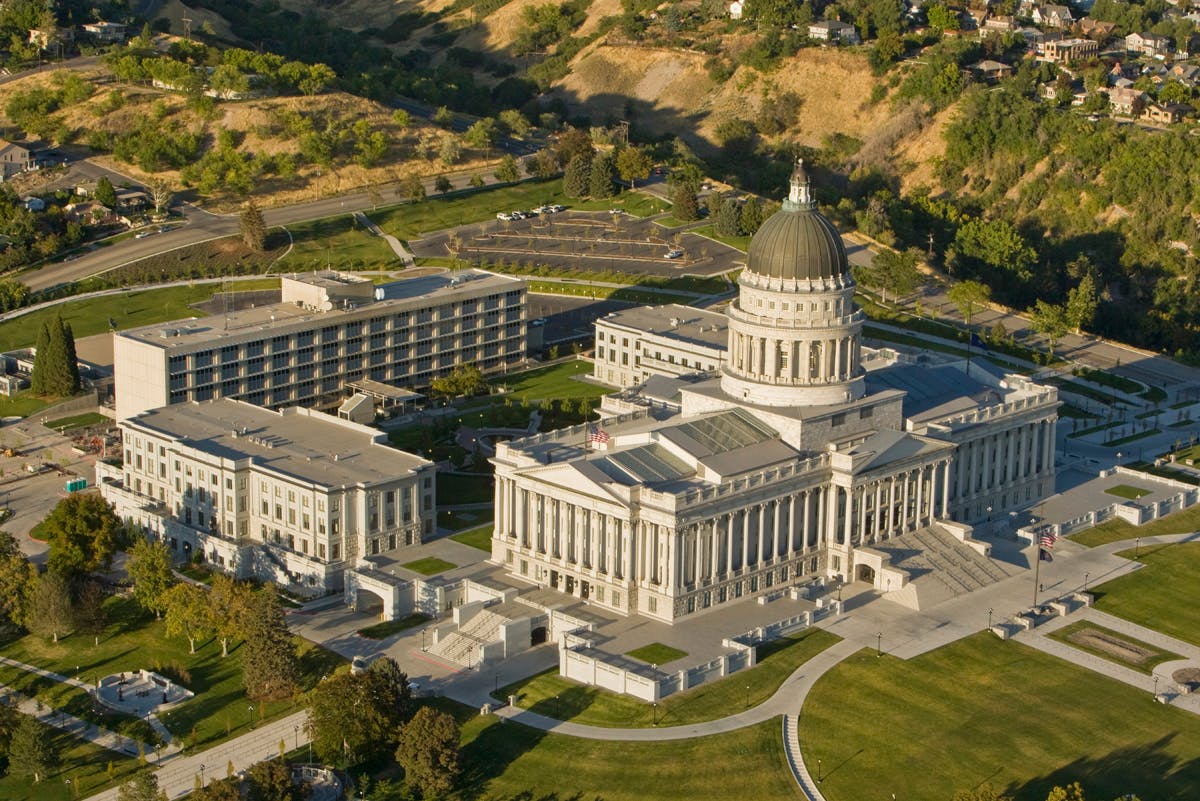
{"x": 798, "y": 242}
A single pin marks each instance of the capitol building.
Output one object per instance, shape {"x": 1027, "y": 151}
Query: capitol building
{"x": 800, "y": 457}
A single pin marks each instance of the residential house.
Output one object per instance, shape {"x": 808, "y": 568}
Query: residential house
{"x": 834, "y": 31}
{"x": 1038, "y": 40}
{"x": 1150, "y": 45}
{"x": 32, "y": 203}
{"x": 1187, "y": 74}
{"x": 736, "y": 8}
{"x": 1126, "y": 102}
{"x": 51, "y": 38}
{"x": 1067, "y": 51}
{"x": 973, "y": 19}
{"x": 1165, "y": 113}
{"x": 989, "y": 71}
{"x": 106, "y": 31}
{"x": 1052, "y": 16}
{"x": 1095, "y": 29}
{"x": 87, "y": 213}
{"x": 132, "y": 199}
{"x": 999, "y": 25}
{"x": 15, "y": 159}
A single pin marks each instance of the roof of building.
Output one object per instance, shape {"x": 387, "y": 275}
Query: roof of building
{"x": 684, "y": 323}
{"x": 797, "y": 242}
{"x": 935, "y": 392}
{"x": 263, "y": 319}
{"x": 296, "y": 442}
{"x": 888, "y": 446}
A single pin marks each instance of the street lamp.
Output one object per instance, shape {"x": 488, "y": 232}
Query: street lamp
{"x": 989, "y": 618}
{"x": 250, "y": 709}
{"x": 656, "y": 713}
{"x": 1137, "y": 547}
{"x": 879, "y": 644}
{"x": 747, "y": 696}
{"x": 820, "y": 773}
{"x": 1085, "y": 580}
{"x": 202, "y": 774}
{"x": 296, "y": 731}
{"x": 556, "y": 706}
{"x": 1156, "y": 688}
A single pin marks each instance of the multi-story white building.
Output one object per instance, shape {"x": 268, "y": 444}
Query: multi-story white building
{"x": 634, "y": 344}
{"x": 294, "y": 496}
{"x": 328, "y": 330}
{"x": 804, "y": 459}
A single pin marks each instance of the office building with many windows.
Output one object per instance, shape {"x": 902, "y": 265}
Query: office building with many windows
{"x": 634, "y": 344}
{"x": 328, "y": 330}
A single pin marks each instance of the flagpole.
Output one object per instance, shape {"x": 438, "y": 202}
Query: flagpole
{"x": 1037, "y": 566}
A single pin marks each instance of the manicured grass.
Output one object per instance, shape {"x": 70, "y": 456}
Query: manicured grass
{"x": 75, "y": 701}
{"x": 381, "y": 631}
{"x": 656, "y": 653}
{"x": 985, "y": 710}
{"x": 429, "y": 566}
{"x": 1156, "y": 656}
{"x": 1127, "y": 491}
{"x": 1162, "y": 595}
{"x": 454, "y": 488}
{"x": 1116, "y": 530}
{"x": 458, "y": 521}
{"x": 1095, "y": 429}
{"x": 591, "y": 705}
{"x": 510, "y": 762}
{"x": 480, "y": 538}
{"x": 336, "y": 241}
{"x": 22, "y": 404}
{"x": 1112, "y": 443}
{"x": 78, "y": 421}
{"x": 86, "y": 766}
{"x": 135, "y": 640}
{"x": 554, "y": 382}
{"x": 742, "y": 243}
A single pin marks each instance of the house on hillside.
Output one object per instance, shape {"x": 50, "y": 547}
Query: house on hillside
{"x": 15, "y": 159}
{"x": 999, "y": 25}
{"x": 1052, "y": 16}
{"x": 1150, "y": 45}
{"x": 51, "y": 38}
{"x": 834, "y": 32}
{"x": 1165, "y": 113}
{"x": 1095, "y": 29}
{"x": 32, "y": 203}
{"x": 105, "y": 31}
{"x": 1067, "y": 51}
{"x": 988, "y": 71}
{"x": 1126, "y": 102}
{"x": 736, "y": 8}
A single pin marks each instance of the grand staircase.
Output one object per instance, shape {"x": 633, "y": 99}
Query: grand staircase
{"x": 460, "y": 646}
{"x": 940, "y": 567}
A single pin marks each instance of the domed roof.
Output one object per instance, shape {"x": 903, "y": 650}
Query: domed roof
{"x": 798, "y": 242}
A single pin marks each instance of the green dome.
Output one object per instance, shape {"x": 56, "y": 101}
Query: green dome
{"x": 798, "y": 243}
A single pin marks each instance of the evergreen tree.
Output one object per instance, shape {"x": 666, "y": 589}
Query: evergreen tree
{"x": 577, "y": 177}
{"x": 728, "y": 221}
{"x": 105, "y": 194}
{"x": 269, "y": 668}
{"x": 752, "y": 216}
{"x": 142, "y": 787}
{"x": 254, "y": 228}
{"x": 70, "y": 370}
{"x": 429, "y": 752}
{"x": 37, "y": 379}
{"x": 31, "y": 752}
{"x": 55, "y": 365}
{"x": 686, "y": 206}
{"x": 603, "y": 174}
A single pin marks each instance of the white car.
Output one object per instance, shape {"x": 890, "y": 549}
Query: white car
{"x": 142, "y": 234}
{"x": 504, "y": 215}
{"x": 674, "y": 253}
{"x": 556, "y": 208}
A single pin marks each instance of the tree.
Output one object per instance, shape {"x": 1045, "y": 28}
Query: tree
{"x": 577, "y": 176}
{"x": 90, "y": 615}
{"x": 413, "y": 189}
{"x": 685, "y": 205}
{"x": 603, "y": 172}
{"x": 105, "y": 194}
{"x": 271, "y": 780}
{"x": 188, "y": 613}
{"x": 942, "y": 18}
{"x": 149, "y": 566}
{"x": 633, "y": 163}
{"x": 1050, "y": 320}
{"x": 230, "y": 603}
{"x": 728, "y": 218}
{"x": 543, "y": 164}
{"x": 984, "y": 793}
{"x": 429, "y": 752}
{"x": 969, "y": 296}
{"x": 16, "y": 573}
{"x": 1072, "y": 792}
{"x": 894, "y": 272}
{"x": 506, "y": 171}
{"x": 142, "y": 787}
{"x": 450, "y": 149}
{"x": 351, "y": 718}
{"x": 481, "y": 135}
{"x": 55, "y": 365}
{"x": 161, "y": 193}
{"x": 442, "y": 184}
{"x": 465, "y": 379}
{"x": 752, "y": 216}
{"x": 31, "y": 752}
{"x": 253, "y": 228}
{"x": 10, "y": 718}
{"x": 401, "y": 118}
{"x": 1082, "y": 303}
{"x": 82, "y": 532}
{"x": 269, "y": 667}
{"x": 219, "y": 790}
{"x": 49, "y": 611}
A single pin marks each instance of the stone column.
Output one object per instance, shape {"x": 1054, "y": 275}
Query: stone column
{"x": 848, "y": 522}
{"x": 729, "y": 543}
{"x": 904, "y": 501}
{"x": 762, "y": 534}
{"x": 745, "y": 538}
{"x": 822, "y": 517}
{"x": 805, "y": 545}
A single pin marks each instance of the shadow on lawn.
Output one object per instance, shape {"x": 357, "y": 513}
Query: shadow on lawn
{"x": 1146, "y": 771}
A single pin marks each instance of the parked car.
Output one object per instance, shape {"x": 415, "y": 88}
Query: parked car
{"x": 674, "y": 253}
{"x": 504, "y": 215}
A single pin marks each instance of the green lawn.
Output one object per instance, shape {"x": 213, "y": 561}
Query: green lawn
{"x": 554, "y": 382}
{"x": 135, "y": 640}
{"x": 338, "y": 242}
{"x": 1112, "y": 443}
{"x": 985, "y": 710}
{"x": 1116, "y": 530}
{"x": 84, "y": 764}
{"x": 1127, "y": 491}
{"x": 459, "y": 521}
{"x": 510, "y": 762}
{"x": 591, "y": 705}
{"x": 1071, "y": 635}
{"x": 742, "y": 243}
{"x": 656, "y": 653}
{"x": 454, "y": 488}
{"x": 429, "y": 566}
{"x": 480, "y": 538}
{"x": 1162, "y": 595}
{"x": 381, "y": 631}
{"x": 78, "y": 421}
{"x": 22, "y": 404}
{"x": 75, "y": 701}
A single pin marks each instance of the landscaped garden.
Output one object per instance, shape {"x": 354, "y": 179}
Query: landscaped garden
{"x": 1117, "y": 530}
{"x": 1128, "y": 492}
{"x": 551, "y": 695}
{"x": 656, "y": 654}
{"x": 1162, "y": 595}
{"x": 480, "y": 538}
{"x": 1112, "y": 645}
{"x": 983, "y": 710}
{"x": 429, "y": 566}
{"x": 81, "y": 770}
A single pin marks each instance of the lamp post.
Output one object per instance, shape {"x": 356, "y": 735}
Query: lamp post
{"x": 296, "y": 731}
{"x": 989, "y": 618}
{"x": 1085, "y": 580}
{"x": 1156, "y": 688}
{"x": 423, "y": 648}
{"x": 879, "y": 644}
{"x": 820, "y": 773}
{"x": 747, "y": 696}
{"x": 202, "y": 774}
{"x": 556, "y": 706}
{"x": 655, "y": 713}
{"x": 1137, "y": 547}
{"x": 68, "y": 783}
{"x": 496, "y": 681}
{"x": 250, "y": 710}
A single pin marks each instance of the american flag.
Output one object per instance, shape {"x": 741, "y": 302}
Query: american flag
{"x": 597, "y": 435}
{"x": 1047, "y": 538}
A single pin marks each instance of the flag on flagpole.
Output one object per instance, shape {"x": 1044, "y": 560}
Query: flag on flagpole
{"x": 1047, "y": 538}
{"x": 1044, "y": 555}
{"x": 597, "y": 435}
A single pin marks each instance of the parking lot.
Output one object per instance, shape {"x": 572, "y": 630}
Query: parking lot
{"x": 596, "y": 241}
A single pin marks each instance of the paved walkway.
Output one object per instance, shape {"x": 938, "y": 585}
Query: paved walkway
{"x": 397, "y": 248}
{"x": 125, "y": 746}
